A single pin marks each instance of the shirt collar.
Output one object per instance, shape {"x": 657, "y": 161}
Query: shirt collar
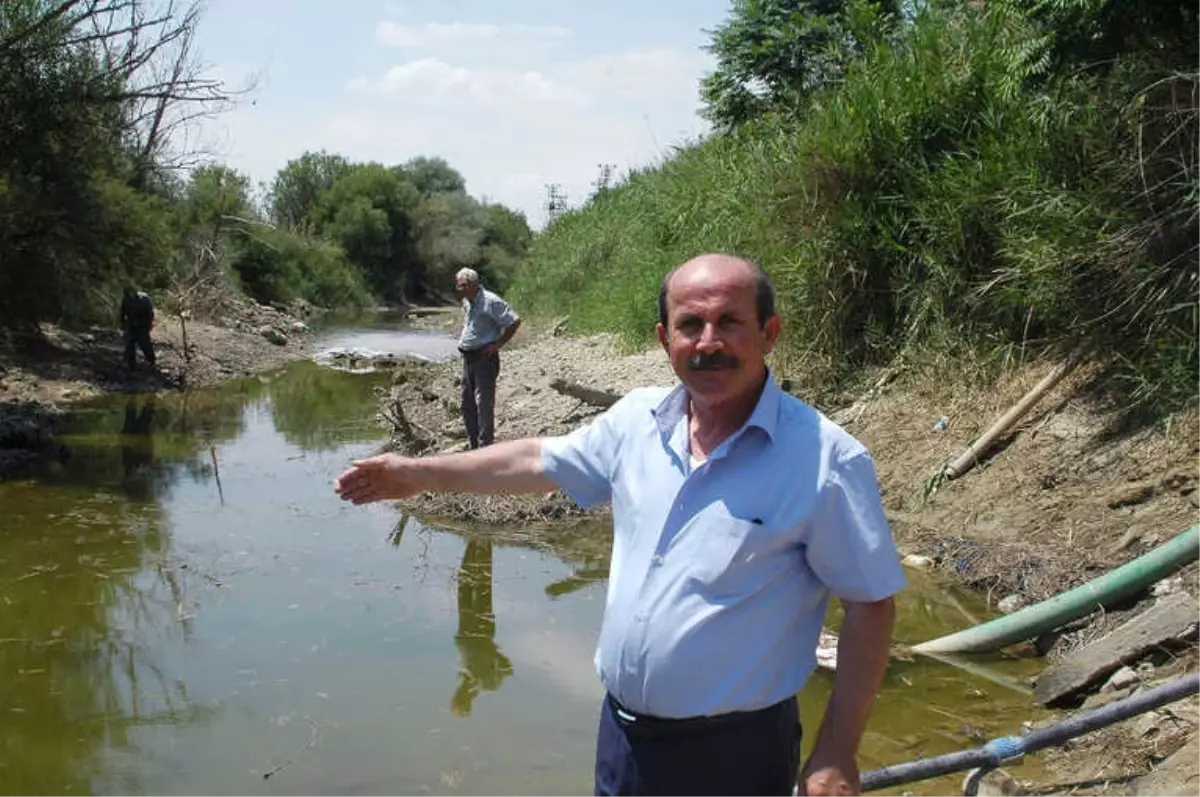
{"x": 673, "y": 408}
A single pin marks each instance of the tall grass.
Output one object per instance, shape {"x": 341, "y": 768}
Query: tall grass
{"x": 947, "y": 194}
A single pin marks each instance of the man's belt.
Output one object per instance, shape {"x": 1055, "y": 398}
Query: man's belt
{"x": 647, "y": 725}
{"x": 471, "y": 354}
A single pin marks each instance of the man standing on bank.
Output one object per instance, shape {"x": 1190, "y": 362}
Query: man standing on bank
{"x": 488, "y": 324}
{"x": 738, "y": 510}
{"x": 137, "y": 319}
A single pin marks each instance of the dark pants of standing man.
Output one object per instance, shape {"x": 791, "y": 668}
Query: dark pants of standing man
{"x": 138, "y": 335}
{"x": 479, "y": 375}
{"x": 753, "y": 752}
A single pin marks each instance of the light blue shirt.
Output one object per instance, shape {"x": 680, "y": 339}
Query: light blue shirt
{"x": 486, "y": 318}
{"x": 721, "y": 575}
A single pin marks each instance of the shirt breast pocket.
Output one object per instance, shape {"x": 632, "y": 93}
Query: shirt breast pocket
{"x": 735, "y": 556}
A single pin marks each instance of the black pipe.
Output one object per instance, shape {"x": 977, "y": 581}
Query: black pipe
{"x": 1088, "y": 721}
{"x": 1006, "y": 748}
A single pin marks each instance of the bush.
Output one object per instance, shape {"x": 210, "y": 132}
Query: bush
{"x": 949, "y": 192}
{"x": 278, "y": 266}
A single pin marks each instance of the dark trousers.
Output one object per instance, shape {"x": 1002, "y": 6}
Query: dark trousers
{"x": 755, "y": 752}
{"x": 479, "y": 375}
{"x": 138, "y": 336}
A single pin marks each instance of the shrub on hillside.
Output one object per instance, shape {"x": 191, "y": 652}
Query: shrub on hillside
{"x": 951, "y": 191}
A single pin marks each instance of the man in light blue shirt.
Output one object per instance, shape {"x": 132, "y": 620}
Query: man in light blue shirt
{"x": 738, "y": 511}
{"x": 488, "y": 323}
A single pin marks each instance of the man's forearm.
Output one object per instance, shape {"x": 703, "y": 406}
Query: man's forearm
{"x": 513, "y": 466}
{"x": 507, "y": 334}
{"x": 863, "y": 645}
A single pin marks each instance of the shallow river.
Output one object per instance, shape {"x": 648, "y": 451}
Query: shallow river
{"x": 186, "y": 607}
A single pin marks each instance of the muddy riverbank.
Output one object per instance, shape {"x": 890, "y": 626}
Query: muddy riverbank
{"x": 1070, "y": 493}
{"x": 44, "y": 372}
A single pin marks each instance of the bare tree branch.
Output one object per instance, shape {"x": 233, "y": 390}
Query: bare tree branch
{"x": 145, "y": 69}
{"x": 106, "y": 35}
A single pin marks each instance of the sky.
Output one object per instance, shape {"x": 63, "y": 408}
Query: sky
{"x": 514, "y": 94}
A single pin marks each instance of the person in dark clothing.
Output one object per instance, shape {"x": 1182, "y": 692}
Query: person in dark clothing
{"x": 137, "y": 319}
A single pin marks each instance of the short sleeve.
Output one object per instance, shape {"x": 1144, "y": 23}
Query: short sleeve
{"x": 582, "y": 463}
{"x": 850, "y": 545}
{"x": 501, "y": 313}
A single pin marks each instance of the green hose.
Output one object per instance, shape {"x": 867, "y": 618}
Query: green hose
{"x": 1112, "y": 587}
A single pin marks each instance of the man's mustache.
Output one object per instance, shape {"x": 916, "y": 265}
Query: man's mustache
{"x": 711, "y": 362}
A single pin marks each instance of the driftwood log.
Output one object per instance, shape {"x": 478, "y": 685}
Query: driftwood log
{"x": 588, "y": 395}
{"x": 1164, "y": 625}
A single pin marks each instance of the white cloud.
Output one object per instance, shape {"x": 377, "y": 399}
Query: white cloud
{"x": 564, "y": 657}
{"x": 509, "y": 126}
{"x": 511, "y": 132}
{"x": 433, "y": 80}
{"x": 634, "y": 76}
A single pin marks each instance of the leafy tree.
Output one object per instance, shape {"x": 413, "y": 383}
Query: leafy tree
{"x": 449, "y": 230}
{"x": 407, "y": 227}
{"x": 215, "y": 197}
{"x": 1094, "y": 33}
{"x": 93, "y": 195}
{"x": 299, "y": 187}
{"x": 773, "y": 53}
{"x": 432, "y": 176}
{"x": 88, "y": 93}
{"x": 507, "y": 229}
{"x": 369, "y": 211}
{"x": 506, "y": 242}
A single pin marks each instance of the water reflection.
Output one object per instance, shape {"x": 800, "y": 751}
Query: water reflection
{"x": 318, "y": 409}
{"x": 93, "y": 596}
{"x": 482, "y": 666}
{"x": 584, "y": 576}
{"x": 141, "y": 444}
{"x": 137, "y": 447}
{"x": 88, "y": 595}
{"x": 376, "y": 334}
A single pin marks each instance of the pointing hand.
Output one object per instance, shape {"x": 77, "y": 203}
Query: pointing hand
{"x": 387, "y": 476}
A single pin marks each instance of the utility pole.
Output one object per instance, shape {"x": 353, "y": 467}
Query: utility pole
{"x": 604, "y": 179}
{"x": 556, "y": 202}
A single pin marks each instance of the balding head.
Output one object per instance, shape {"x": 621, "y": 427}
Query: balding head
{"x": 718, "y": 326}
{"x": 724, "y": 267}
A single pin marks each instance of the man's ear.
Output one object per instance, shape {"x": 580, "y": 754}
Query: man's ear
{"x": 771, "y": 330}
{"x": 662, "y": 336}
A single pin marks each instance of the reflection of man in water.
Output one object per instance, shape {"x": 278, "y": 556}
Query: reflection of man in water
{"x": 483, "y": 665}
{"x": 137, "y": 444}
